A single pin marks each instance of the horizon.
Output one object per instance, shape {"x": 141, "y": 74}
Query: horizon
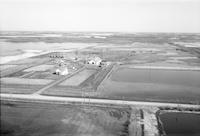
{"x": 126, "y": 32}
{"x": 126, "y": 16}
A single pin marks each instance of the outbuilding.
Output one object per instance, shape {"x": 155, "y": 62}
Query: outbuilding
{"x": 61, "y": 71}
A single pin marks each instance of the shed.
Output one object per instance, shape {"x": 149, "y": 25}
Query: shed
{"x": 61, "y": 71}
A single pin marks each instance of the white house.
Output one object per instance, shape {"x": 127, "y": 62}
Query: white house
{"x": 95, "y": 61}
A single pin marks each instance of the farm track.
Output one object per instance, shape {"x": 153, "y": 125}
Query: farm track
{"x": 102, "y": 75}
{"x": 66, "y": 100}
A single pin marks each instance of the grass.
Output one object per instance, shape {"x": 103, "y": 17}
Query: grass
{"x": 46, "y": 119}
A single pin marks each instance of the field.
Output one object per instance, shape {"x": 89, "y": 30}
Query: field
{"x": 44, "y": 119}
{"x": 3, "y": 67}
{"x": 22, "y": 85}
{"x": 77, "y": 79}
{"x": 19, "y": 89}
{"x": 153, "y": 84}
{"x": 25, "y": 81}
{"x": 39, "y": 68}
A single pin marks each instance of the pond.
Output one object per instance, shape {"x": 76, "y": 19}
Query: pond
{"x": 180, "y": 123}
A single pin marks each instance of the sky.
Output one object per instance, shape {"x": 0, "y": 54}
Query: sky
{"x": 101, "y": 15}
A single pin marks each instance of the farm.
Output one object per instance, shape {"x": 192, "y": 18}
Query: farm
{"x": 99, "y": 84}
{"x": 150, "y": 72}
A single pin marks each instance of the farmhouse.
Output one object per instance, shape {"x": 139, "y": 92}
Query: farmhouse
{"x": 94, "y": 61}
